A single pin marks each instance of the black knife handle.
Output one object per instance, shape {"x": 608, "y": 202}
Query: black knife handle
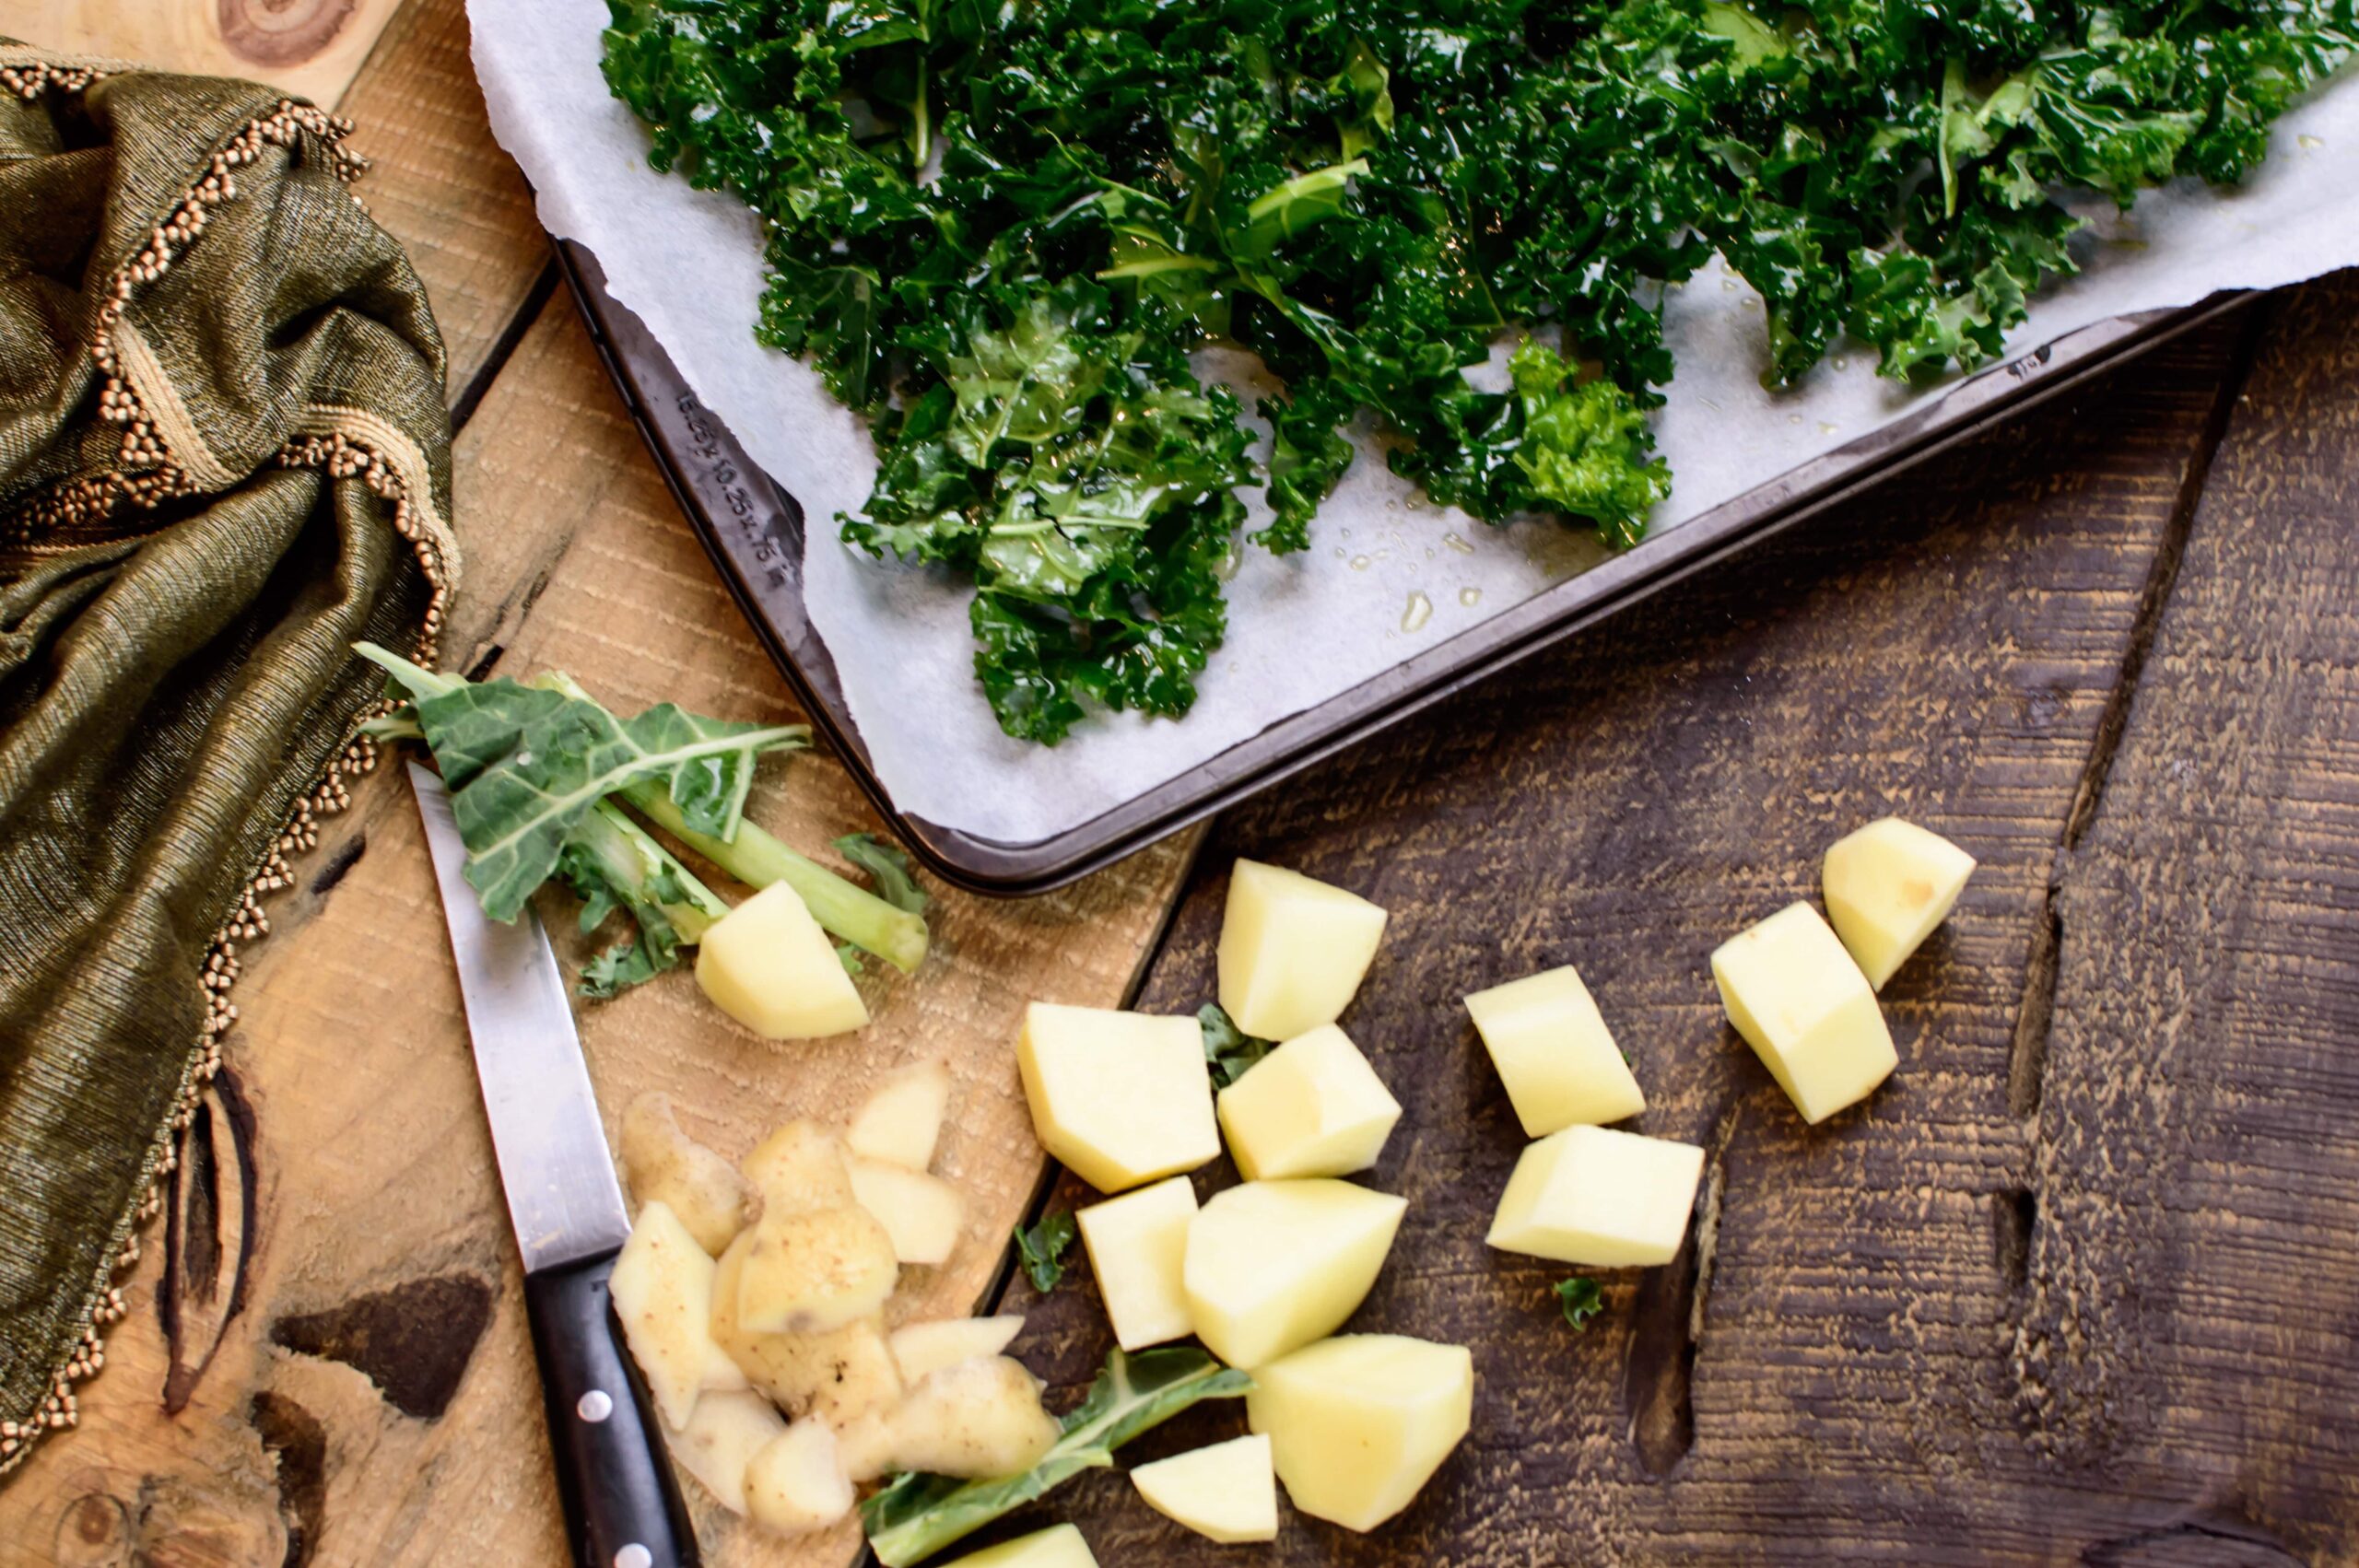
{"x": 622, "y": 1506}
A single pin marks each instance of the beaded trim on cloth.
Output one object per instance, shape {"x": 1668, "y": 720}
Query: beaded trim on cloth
{"x": 343, "y": 443}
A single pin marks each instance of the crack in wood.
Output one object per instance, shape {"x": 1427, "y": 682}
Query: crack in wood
{"x": 496, "y": 357}
{"x": 2194, "y": 1543}
{"x": 2015, "y": 1217}
{"x": 1667, "y": 1324}
{"x": 297, "y": 1446}
{"x": 2034, "y": 1015}
{"x": 209, "y": 1236}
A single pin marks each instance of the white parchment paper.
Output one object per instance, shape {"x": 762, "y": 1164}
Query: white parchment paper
{"x": 1388, "y": 574}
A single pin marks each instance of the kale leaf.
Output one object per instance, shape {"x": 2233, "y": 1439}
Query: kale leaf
{"x": 1040, "y": 1249}
{"x": 1000, "y": 231}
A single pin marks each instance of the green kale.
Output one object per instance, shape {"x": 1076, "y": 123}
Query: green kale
{"x": 916, "y": 1516}
{"x": 889, "y": 876}
{"x": 1581, "y": 1298}
{"x": 1230, "y": 1051}
{"x": 1040, "y": 1249}
{"x": 1000, "y": 232}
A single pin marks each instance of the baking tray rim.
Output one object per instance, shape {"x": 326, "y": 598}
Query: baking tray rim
{"x": 681, "y": 434}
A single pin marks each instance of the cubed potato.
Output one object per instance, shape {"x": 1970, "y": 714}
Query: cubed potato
{"x": 810, "y": 1272}
{"x": 982, "y": 1417}
{"x": 900, "y": 1123}
{"x": 1121, "y": 1097}
{"x": 767, "y": 964}
{"x": 1794, "y": 993}
{"x": 795, "y": 1484}
{"x": 1274, "y": 1265}
{"x": 838, "y": 1376}
{"x": 1591, "y": 1195}
{"x": 1554, "y": 1053}
{"x": 923, "y": 1349}
{"x": 1058, "y": 1545}
{"x": 720, "y": 1439}
{"x": 1137, "y": 1245}
{"x": 665, "y": 1166}
{"x": 924, "y": 1214}
{"x": 1312, "y": 1108}
{"x": 1292, "y": 950}
{"x": 800, "y": 1168}
{"x": 1887, "y": 886}
{"x": 1358, "y": 1423}
{"x": 1226, "y": 1492}
{"x": 661, "y": 1288}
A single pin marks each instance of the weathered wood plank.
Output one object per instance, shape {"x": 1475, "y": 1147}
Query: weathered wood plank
{"x": 2193, "y": 1289}
{"x": 1946, "y": 649}
{"x": 380, "y": 1214}
{"x": 441, "y": 186}
{"x": 310, "y": 48}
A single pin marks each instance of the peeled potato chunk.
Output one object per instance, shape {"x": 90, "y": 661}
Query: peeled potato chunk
{"x": 1274, "y": 1265}
{"x": 720, "y": 1439}
{"x": 1121, "y": 1097}
{"x": 974, "y": 1417}
{"x": 922, "y": 1214}
{"x": 1553, "y": 1052}
{"x": 665, "y": 1166}
{"x": 799, "y": 1168}
{"x": 767, "y": 964}
{"x": 839, "y": 1375}
{"x": 1058, "y": 1545}
{"x": 661, "y": 1288}
{"x": 1226, "y": 1493}
{"x": 901, "y": 1122}
{"x": 794, "y": 1483}
{"x": 1358, "y": 1423}
{"x": 1887, "y": 886}
{"x": 1312, "y": 1108}
{"x": 1292, "y": 950}
{"x": 923, "y": 1349}
{"x": 1138, "y": 1246}
{"x": 1794, "y": 993}
{"x": 1595, "y": 1195}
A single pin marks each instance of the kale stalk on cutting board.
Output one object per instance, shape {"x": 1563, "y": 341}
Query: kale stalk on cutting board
{"x": 999, "y": 231}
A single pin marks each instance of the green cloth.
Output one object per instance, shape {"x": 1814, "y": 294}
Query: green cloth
{"x": 205, "y": 497}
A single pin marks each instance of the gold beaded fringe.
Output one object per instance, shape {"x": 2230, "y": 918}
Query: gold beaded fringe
{"x": 147, "y": 477}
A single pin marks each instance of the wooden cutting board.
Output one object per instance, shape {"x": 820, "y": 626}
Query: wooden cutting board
{"x": 371, "y": 1394}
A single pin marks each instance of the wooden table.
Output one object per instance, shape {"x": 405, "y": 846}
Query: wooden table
{"x": 2081, "y": 1284}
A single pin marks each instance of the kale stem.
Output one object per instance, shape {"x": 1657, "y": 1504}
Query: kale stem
{"x": 630, "y": 857}
{"x": 847, "y": 911}
{"x": 844, "y": 909}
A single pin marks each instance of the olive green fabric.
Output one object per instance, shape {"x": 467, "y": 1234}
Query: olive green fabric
{"x": 174, "y": 620}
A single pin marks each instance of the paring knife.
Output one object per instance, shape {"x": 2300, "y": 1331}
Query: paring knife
{"x": 622, "y": 1506}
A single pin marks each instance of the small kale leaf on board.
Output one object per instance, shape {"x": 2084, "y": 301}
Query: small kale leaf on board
{"x": 1230, "y": 1051}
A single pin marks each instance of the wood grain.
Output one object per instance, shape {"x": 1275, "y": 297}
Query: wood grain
{"x": 2193, "y": 1311}
{"x": 1947, "y": 648}
{"x": 441, "y": 186}
{"x": 310, "y": 48}
{"x": 374, "y": 1399}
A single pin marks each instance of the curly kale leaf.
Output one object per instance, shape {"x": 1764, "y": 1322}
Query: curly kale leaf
{"x": 999, "y": 232}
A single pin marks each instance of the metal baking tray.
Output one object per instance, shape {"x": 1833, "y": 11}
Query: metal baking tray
{"x": 754, "y": 531}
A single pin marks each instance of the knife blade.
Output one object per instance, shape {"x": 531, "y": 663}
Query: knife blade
{"x": 622, "y": 1504}
{"x": 562, "y": 1197}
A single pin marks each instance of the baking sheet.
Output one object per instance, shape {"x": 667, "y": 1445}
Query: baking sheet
{"x": 1389, "y": 575}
